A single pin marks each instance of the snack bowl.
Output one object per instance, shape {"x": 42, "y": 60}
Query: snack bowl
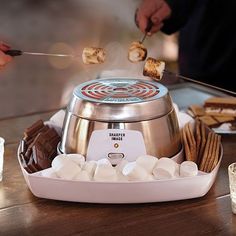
{"x": 121, "y": 192}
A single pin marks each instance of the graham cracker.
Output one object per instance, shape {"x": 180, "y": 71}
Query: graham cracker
{"x": 211, "y": 153}
{"x": 206, "y": 150}
{"x": 197, "y": 110}
{"x": 186, "y": 145}
{"x": 203, "y": 142}
{"x": 209, "y": 121}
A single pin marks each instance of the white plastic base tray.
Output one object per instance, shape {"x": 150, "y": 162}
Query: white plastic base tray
{"x": 121, "y": 192}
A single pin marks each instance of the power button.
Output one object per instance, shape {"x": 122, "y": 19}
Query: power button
{"x": 114, "y": 156}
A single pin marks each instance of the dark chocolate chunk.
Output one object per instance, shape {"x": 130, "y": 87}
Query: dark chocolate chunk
{"x": 33, "y": 166}
{"x": 29, "y": 132}
{"x": 40, "y": 157}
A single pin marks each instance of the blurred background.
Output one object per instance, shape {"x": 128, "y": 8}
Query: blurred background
{"x": 32, "y": 83}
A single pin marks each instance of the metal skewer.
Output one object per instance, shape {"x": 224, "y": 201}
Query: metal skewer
{"x": 147, "y": 30}
{"x": 200, "y": 83}
{"x": 48, "y": 54}
{"x": 14, "y": 53}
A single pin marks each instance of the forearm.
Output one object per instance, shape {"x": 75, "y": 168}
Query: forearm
{"x": 181, "y": 11}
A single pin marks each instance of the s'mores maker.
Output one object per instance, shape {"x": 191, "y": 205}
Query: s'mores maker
{"x": 119, "y": 118}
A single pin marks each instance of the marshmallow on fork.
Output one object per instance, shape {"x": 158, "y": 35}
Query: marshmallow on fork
{"x": 188, "y": 169}
{"x": 137, "y": 52}
{"x": 154, "y": 68}
{"x": 105, "y": 171}
{"x": 165, "y": 168}
{"x": 64, "y": 167}
{"x": 92, "y": 55}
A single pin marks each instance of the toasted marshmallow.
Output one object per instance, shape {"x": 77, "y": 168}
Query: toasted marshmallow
{"x": 49, "y": 173}
{"x": 82, "y": 176}
{"x": 164, "y": 169}
{"x": 147, "y": 162}
{"x": 154, "y": 68}
{"x": 77, "y": 158}
{"x": 135, "y": 172}
{"x": 228, "y": 111}
{"x": 64, "y": 167}
{"x": 188, "y": 168}
{"x": 137, "y": 52}
{"x": 92, "y": 55}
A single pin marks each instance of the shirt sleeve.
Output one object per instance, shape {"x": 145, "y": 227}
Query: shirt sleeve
{"x": 181, "y": 11}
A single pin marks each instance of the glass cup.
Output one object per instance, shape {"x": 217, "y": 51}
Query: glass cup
{"x": 232, "y": 185}
{"x": 1, "y": 156}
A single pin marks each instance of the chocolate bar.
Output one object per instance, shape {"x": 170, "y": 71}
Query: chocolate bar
{"x": 38, "y": 147}
{"x": 29, "y": 132}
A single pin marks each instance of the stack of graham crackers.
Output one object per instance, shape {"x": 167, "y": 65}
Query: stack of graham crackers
{"x": 201, "y": 145}
{"x": 215, "y": 111}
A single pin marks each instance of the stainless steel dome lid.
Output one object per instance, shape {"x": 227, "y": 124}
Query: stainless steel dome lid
{"x": 120, "y": 100}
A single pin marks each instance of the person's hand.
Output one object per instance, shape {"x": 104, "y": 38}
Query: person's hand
{"x": 156, "y": 11}
{"x": 4, "y": 59}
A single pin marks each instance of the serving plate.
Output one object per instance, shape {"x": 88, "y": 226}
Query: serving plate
{"x": 122, "y": 192}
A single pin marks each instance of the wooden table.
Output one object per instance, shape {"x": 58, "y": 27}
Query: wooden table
{"x": 23, "y": 214}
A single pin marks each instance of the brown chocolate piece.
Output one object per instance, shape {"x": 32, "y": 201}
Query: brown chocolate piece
{"x": 24, "y": 164}
{"x": 45, "y": 129}
{"x": 39, "y": 147}
{"x": 29, "y": 132}
{"x": 32, "y": 165}
{"x": 40, "y": 157}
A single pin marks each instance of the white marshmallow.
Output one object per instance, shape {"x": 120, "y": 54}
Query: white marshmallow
{"x": 147, "y": 162}
{"x": 77, "y": 158}
{"x": 104, "y": 161}
{"x": 59, "y": 161}
{"x": 49, "y": 173}
{"x": 105, "y": 172}
{"x": 134, "y": 171}
{"x": 64, "y": 167}
{"x": 82, "y": 176}
{"x": 188, "y": 168}
{"x": 90, "y": 168}
{"x": 120, "y": 166}
{"x": 177, "y": 169}
{"x": 150, "y": 178}
{"x": 121, "y": 177}
{"x": 164, "y": 169}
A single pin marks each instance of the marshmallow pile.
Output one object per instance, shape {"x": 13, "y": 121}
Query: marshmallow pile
{"x": 145, "y": 168}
